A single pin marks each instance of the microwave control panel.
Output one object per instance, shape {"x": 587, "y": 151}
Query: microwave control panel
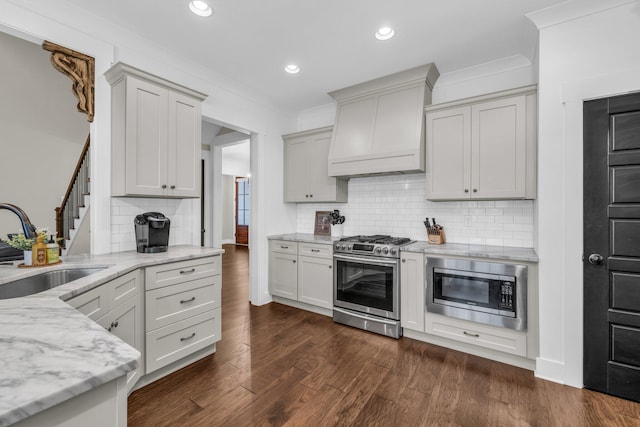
{"x": 507, "y": 295}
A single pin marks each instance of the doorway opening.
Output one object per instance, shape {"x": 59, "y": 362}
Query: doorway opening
{"x": 242, "y": 211}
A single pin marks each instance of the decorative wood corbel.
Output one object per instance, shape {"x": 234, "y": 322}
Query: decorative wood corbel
{"x": 80, "y": 68}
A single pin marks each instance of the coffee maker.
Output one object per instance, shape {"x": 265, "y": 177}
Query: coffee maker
{"x": 152, "y": 232}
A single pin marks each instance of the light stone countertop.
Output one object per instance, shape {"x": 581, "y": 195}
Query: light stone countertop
{"x": 447, "y": 249}
{"x": 51, "y": 352}
{"x": 305, "y": 237}
{"x": 476, "y": 251}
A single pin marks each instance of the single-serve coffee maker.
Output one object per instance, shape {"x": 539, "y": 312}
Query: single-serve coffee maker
{"x": 152, "y": 232}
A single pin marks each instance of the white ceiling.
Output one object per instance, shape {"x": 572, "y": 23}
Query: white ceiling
{"x": 332, "y": 40}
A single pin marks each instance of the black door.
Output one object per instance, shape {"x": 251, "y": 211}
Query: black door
{"x": 612, "y": 245}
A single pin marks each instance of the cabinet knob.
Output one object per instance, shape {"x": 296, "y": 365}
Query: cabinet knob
{"x": 306, "y": 195}
{"x": 173, "y": 187}
{"x": 164, "y": 185}
{"x": 404, "y": 260}
{"x": 475, "y": 190}
{"x": 466, "y": 190}
{"x": 310, "y": 195}
{"x": 330, "y": 266}
{"x": 294, "y": 261}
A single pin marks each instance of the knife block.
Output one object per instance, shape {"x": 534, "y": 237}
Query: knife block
{"x": 435, "y": 236}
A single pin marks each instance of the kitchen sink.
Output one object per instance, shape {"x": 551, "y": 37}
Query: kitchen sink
{"x": 44, "y": 281}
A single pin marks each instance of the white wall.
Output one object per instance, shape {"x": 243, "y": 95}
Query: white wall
{"x": 229, "y": 103}
{"x": 41, "y": 134}
{"x": 583, "y": 55}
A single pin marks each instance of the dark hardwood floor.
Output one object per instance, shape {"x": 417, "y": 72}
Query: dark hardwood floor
{"x": 281, "y": 366}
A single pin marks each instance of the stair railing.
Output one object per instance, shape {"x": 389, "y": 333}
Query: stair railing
{"x": 73, "y": 199}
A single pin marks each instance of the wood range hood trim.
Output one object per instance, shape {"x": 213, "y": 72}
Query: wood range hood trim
{"x": 379, "y": 125}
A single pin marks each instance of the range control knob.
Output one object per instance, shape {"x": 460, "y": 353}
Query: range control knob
{"x": 349, "y": 247}
{"x": 385, "y": 250}
{"x": 343, "y": 247}
{"x": 378, "y": 250}
{"x": 337, "y": 247}
{"x": 393, "y": 251}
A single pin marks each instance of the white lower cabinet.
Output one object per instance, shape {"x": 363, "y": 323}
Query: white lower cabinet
{"x": 412, "y": 288}
{"x": 500, "y": 339}
{"x": 118, "y": 307}
{"x": 126, "y": 322}
{"x": 178, "y": 313}
{"x": 183, "y": 307}
{"x": 302, "y": 271}
{"x": 179, "y": 339}
{"x": 283, "y": 269}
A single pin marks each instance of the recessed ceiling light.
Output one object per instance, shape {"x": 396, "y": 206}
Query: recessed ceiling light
{"x": 200, "y": 8}
{"x": 385, "y": 33}
{"x": 292, "y": 69}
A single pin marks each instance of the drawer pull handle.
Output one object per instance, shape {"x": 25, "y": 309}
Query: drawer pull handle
{"x": 469, "y": 334}
{"x": 189, "y": 337}
{"x": 113, "y": 325}
{"x": 187, "y": 271}
{"x": 284, "y": 247}
{"x": 184, "y": 301}
{"x": 315, "y": 250}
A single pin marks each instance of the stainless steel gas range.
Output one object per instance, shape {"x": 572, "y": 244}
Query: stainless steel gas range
{"x": 366, "y": 283}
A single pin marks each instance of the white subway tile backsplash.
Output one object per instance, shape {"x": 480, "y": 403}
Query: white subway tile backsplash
{"x": 123, "y": 211}
{"x": 396, "y": 205}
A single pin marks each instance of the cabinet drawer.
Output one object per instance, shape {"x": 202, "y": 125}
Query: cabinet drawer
{"x": 173, "y": 273}
{"x": 316, "y": 250}
{"x": 94, "y": 303}
{"x": 499, "y": 339}
{"x": 173, "y": 342}
{"x": 178, "y": 302}
{"x": 283, "y": 246}
{"x": 123, "y": 288}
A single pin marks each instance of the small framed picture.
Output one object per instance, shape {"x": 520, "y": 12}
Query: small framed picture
{"x": 323, "y": 223}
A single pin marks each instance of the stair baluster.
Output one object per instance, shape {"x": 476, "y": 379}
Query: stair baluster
{"x": 79, "y": 186}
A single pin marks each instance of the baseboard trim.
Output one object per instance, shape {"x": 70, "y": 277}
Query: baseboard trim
{"x": 550, "y": 370}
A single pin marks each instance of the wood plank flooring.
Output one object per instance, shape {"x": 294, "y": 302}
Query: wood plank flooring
{"x": 280, "y": 366}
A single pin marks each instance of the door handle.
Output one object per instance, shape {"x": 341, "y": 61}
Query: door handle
{"x": 595, "y": 259}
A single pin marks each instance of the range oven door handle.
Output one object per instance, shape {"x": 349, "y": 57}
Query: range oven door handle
{"x": 365, "y": 317}
{"x": 367, "y": 260}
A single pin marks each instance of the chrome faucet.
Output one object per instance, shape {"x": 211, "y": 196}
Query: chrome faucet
{"x": 28, "y": 228}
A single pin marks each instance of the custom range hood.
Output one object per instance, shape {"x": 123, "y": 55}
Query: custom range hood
{"x": 379, "y": 126}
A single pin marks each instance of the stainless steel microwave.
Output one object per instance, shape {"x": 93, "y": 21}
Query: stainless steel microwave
{"x": 485, "y": 292}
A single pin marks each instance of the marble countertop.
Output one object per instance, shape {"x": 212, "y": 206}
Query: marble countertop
{"x": 477, "y": 251}
{"x": 305, "y": 237}
{"x": 51, "y": 352}
{"x": 447, "y": 249}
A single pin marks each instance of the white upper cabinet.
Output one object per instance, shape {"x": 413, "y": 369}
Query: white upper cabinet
{"x": 156, "y": 135}
{"x": 483, "y": 148}
{"x": 305, "y": 168}
{"x": 378, "y": 127}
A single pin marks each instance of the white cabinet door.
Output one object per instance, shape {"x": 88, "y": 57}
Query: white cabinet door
{"x": 306, "y": 178}
{"x": 322, "y": 187}
{"x": 498, "y": 149}
{"x": 315, "y": 281}
{"x": 412, "y": 291}
{"x": 184, "y": 127}
{"x": 283, "y": 275}
{"x": 448, "y": 153}
{"x": 126, "y": 322}
{"x": 146, "y": 138}
{"x": 295, "y": 171}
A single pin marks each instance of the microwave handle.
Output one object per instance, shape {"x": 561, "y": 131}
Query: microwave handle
{"x": 474, "y": 275}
